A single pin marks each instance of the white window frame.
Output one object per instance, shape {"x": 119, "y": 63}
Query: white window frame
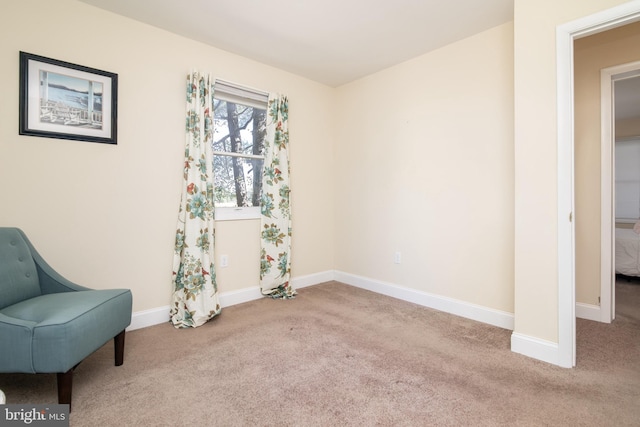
{"x": 237, "y": 94}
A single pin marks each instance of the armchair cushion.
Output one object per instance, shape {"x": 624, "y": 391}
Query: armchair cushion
{"x": 63, "y": 328}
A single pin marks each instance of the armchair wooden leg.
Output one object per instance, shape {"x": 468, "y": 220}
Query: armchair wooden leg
{"x": 65, "y": 381}
{"x": 118, "y": 342}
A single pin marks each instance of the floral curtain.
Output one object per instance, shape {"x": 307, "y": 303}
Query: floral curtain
{"x": 275, "y": 254}
{"x": 195, "y": 296}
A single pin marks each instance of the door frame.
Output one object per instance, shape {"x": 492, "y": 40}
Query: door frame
{"x": 608, "y": 77}
{"x": 623, "y": 14}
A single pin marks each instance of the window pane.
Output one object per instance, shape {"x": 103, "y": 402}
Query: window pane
{"x": 235, "y": 129}
{"x": 238, "y": 129}
{"x": 627, "y": 178}
{"x": 232, "y": 192}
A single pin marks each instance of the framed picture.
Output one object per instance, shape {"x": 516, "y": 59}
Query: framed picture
{"x": 67, "y": 101}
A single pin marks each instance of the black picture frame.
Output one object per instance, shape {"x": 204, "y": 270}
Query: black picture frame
{"x": 62, "y": 100}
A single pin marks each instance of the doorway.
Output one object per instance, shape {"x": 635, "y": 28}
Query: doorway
{"x": 620, "y": 201}
{"x": 565, "y": 35}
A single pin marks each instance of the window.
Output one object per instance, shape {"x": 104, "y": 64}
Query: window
{"x": 239, "y": 131}
{"x": 627, "y": 159}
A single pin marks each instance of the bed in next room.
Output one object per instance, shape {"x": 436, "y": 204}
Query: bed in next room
{"x": 628, "y": 250}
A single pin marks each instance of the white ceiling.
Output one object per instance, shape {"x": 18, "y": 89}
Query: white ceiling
{"x": 329, "y": 41}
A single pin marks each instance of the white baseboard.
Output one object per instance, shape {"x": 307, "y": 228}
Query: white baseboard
{"x": 156, "y": 316}
{"x": 536, "y": 348}
{"x": 312, "y": 279}
{"x": 588, "y": 311}
{"x": 229, "y": 298}
{"x": 146, "y": 318}
{"x": 479, "y": 313}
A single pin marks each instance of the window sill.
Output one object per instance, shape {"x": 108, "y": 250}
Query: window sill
{"x": 235, "y": 214}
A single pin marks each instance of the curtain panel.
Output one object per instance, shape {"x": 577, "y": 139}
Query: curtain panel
{"x": 195, "y": 297}
{"x": 275, "y": 207}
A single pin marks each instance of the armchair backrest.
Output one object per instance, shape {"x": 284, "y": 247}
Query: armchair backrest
{"x": 18, "y": 274}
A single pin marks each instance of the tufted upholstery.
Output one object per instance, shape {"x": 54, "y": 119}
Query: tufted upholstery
{"x": 18, "y": 275}
{"x": 47, "y": 323}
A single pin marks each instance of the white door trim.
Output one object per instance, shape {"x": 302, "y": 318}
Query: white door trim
{"x": 565, "y": 35}
{"x": 607, "y": 170}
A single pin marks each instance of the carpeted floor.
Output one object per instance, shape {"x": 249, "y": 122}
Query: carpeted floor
{"x": 338, "y": 355}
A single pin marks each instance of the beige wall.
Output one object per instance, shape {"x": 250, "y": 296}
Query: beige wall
{"x": 425, "y": 167}
{"x": 591, "y": 54}
{"x": 536, "y": 178}
{"x": 105, "y": 216}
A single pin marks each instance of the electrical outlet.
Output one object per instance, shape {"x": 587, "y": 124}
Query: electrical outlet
{"x": 397, "y": 257}
{"x": 224, "y": 261}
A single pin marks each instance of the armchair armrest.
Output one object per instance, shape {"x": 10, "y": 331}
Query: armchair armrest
{"x": 50, "y": 280}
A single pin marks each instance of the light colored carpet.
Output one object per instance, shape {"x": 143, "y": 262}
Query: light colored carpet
{"x": 338, "y": 355}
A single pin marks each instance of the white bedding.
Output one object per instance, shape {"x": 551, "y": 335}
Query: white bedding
{"x": 627, "y": 252}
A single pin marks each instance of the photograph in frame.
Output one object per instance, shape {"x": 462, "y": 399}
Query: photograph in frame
{"x": 67, "y": 101}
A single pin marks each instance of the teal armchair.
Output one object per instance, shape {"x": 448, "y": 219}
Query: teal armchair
{"x": 49, "y": 324}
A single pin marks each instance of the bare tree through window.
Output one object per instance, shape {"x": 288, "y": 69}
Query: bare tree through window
{"x": 239, "y": 133}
